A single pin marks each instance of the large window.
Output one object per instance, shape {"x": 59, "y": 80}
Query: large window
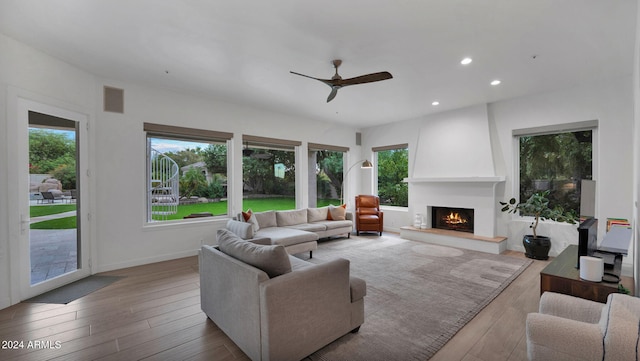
{"x": 186, "y": 172}
{"x": 326, "y": 174}
{"x": 268, "y": 173}
{"x": 393, "y": 167}
{"x": 558, "y": 162}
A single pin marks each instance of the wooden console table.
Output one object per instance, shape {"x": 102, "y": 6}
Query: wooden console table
{"x": 562, "y": 276}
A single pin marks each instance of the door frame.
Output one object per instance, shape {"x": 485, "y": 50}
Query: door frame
{"x": 18, "y": 178}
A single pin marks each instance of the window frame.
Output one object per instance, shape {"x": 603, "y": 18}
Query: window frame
{"x": 591, "y": 125}
{"x": 275, "y": 144}
{"x": 315, "y": 147}
{"x": 375, "y": 151}
{"x": 153, "y": 130}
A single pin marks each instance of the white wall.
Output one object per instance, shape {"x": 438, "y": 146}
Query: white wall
{"x": 455, "y": 144}
{"x": 123, "y": 238}
{"x": 610, "y": 102}
{"x": 119, "y": 237}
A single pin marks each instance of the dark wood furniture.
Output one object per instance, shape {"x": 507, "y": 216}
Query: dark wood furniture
{"x": 562, "y": 276}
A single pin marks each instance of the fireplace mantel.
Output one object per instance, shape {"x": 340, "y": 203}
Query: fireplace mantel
{"x": 496, "y": 179}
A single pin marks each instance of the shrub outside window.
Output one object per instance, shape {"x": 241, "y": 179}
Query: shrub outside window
{"x": 557, "y": 162}
{"x": 393, "y": 168}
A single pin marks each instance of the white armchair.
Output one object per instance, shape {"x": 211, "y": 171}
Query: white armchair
{"x": 571, "y": 328}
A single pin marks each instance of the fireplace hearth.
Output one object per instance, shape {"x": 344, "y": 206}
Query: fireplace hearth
{"x": 454, "y": 219}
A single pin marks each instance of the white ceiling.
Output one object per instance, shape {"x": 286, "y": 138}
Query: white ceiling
{"x": 242, "y": 50}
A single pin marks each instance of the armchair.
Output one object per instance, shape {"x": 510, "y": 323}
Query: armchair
{"x": 571, "y": 328}
{"x": 369, "y": 217}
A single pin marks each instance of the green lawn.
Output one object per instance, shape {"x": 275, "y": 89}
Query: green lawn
{"x": 255, "y": 204}
{"x": 38, "y": 211}
{"x": 217, "y": 208}
{"x": 59, "y": 223}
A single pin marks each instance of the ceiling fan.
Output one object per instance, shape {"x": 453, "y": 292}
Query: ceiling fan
{"x": 336, "y": 82}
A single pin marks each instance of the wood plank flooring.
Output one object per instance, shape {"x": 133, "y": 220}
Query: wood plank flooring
{"x": 154, "y": 314}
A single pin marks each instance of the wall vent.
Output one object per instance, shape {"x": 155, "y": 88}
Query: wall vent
{"x": 113, "y": 100}
{"x": 358, "y": 138}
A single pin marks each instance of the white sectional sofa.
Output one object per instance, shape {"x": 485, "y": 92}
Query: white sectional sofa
{"x": 297, "y": 230}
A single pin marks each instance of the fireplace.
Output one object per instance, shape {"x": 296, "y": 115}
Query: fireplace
{"x": 454, "y": 219}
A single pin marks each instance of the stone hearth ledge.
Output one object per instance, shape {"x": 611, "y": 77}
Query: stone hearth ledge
{"x": 494, "y": 245}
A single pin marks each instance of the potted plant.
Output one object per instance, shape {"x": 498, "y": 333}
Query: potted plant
{"x": 537, "y": 247}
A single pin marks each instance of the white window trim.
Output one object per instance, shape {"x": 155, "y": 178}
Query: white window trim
{"x": 554, "y": 129}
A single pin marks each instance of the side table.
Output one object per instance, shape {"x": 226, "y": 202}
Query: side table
{"x": 562, "y": 276}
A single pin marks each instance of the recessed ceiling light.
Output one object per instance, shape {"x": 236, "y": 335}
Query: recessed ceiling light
{"x": 466, "y": 61}
{"x": 435, "y": 103}
{"x": 495, "y": 82}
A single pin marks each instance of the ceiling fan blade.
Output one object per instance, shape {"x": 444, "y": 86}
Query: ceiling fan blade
{"x": 329, "y": 82}
{"x": 334, "y": 92}
{"x": 369, "y": 78}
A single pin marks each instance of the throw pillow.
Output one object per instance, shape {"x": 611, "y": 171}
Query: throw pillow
{"x": 250, "y": 217}
{"x": 266, "y": 219}
{"x": 273, "y": 260}
{"x": 291, "y": 218}
{"x": 317, "y": 214}
{"x": 337, "y": 213}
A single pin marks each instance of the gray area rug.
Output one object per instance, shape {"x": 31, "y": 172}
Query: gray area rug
{"x": 74, "y": 290}
{"x": 418, "y": 295}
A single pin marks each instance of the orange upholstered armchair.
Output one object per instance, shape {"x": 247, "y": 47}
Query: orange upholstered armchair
{"x": 368, "y": 214}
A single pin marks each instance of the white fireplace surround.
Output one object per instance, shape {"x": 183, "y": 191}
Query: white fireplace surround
{"x": 477, "y": 193}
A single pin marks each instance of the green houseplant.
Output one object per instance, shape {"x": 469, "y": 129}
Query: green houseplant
{"x": 536, "y": 246}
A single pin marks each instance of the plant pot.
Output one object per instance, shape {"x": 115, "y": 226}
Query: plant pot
{"x": 536, "y": 248}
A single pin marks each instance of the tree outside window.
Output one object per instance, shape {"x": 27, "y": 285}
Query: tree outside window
{"x": 558, "y": 163}
{"x": 329, "y": 177}
{"x": 393, "y": 167}
{"x": 269, "y": 172}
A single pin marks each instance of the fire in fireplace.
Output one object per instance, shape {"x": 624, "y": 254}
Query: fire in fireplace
{"x": 455, "y": 219}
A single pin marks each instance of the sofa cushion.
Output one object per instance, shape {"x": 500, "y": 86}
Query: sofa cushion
{"x": 250, "y": 217}
{"x": 336, "y": 224}
{"x": 240, "y": 229}
{"x": 273, "y": 260}
{"x": 317, "y": 214}
{"x": 290, "y": 218}
{"x": 266, "y": 219}
{"x": 310, "y": 227}
{"x": 337, "y": 213}
{"x": 286, "y": 236}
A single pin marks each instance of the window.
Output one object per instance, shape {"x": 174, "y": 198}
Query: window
{"x": 268, "y": 173}
{"x": 326, "y": 177}
{"x": 557, "y": 161}
{"x": 186, "y": 172}
{"x": 393, "y": 167}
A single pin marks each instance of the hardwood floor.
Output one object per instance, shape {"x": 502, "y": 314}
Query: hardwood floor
{"x": 154, "y": 314}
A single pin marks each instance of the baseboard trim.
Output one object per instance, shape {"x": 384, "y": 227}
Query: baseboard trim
{"x": 5, "y": 302}
{"x": 147, "y": 260}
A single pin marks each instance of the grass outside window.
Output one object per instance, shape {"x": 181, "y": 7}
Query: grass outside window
{"x": 217, "y": 208}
